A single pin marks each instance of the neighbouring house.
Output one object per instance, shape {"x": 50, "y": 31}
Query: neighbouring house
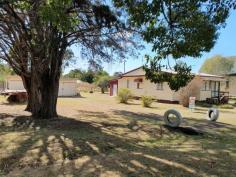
{"x": 231, "y": 84}
{"x": 67, "y": 87}
{"x": 209, "y": 86}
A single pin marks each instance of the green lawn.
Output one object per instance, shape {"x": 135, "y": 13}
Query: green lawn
{"x": 91, "y": 138}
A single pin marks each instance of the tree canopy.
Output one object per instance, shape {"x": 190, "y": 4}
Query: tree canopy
{"x": 176, "y": 29}
{"x": 219, "y": 65}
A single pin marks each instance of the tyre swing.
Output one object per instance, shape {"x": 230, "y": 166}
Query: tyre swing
{"x": 172, "y": 118}
{"x": 212, "y": 114}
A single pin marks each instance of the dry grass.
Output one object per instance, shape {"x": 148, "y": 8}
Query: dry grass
{"x": 91, "y": 138}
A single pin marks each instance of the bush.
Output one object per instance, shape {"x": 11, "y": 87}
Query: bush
{"x": 147, "y": 101}
{"x": 190, "y": 90}
{"x": 124, "y": 95}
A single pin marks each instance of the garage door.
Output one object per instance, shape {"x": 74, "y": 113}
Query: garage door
{"x": 67, "y": 89}
{"x": 15, "y": 85}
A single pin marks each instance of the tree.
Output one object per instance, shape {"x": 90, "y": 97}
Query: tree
{"x": 218, "y": 65}
{"x": 88, "y": 76}
{"x": 117, "y": 74}
{"x": 34, "y": 36}
{"x": 5, "y": 70}
{"x": 103, "y": 82}
{"x": 75, "y": 73}
{"x": 176, "y": 29}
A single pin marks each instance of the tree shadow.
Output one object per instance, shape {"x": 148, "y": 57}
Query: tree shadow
{"x": 138, "y": 116}
{"x": 68, "y": 146}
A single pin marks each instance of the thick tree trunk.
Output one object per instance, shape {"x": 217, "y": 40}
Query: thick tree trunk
{"x": 43, "y": 95}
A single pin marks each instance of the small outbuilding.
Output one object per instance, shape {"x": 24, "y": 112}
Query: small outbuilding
{"x": 113, "y": 87}
{"x": 67, "y": 87}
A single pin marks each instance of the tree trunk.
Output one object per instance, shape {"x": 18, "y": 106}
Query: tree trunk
{"x": 102, "y": 90}
{"x": 27, "y": 85}
{"x": 43, "y": 95}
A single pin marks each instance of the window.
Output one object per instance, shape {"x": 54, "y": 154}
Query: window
{"x": 160, "y": 86}
{"x": 127, "y": 84}
{"x": 227, "y": 84}
{"x": 204, "y": 86}
{"x": 210, "y": 85}
{"x": 139, "y": 85}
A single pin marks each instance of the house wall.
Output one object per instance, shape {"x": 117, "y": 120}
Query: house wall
{"x": 232, "y": 85}
{"x": 150, "y": 89}
{"x": 204, "y": 94}
{"x": 147, "y": 88}
{"x": 66, "y": 87}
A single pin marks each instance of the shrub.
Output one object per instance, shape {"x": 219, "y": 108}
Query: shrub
{"x": 191, "y": 89}
{"x": 124, "y": 95}
{"x": 147, "y": 101}
{"x": 226, "y": 106}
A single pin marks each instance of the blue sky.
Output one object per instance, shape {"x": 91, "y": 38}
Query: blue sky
{"x": 225, "y": 45}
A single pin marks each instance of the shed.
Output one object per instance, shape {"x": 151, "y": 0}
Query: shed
{"x": 113, "y": 87}
{"x": 67, "y": 87}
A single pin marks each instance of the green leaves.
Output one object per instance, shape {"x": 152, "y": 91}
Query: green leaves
{"x": 179, "y": 77}
{"x": 55, "y": 12}
{"x": 176, "y": 29}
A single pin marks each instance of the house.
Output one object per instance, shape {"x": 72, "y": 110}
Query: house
{"x": 210, "y": 86}
{"x": 67, "y": 87}
{"x": 231, "y": 84}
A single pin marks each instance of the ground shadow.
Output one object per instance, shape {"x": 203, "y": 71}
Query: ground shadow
{"x": 83, "y": 148}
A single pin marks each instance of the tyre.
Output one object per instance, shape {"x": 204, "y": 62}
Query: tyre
{"x": 172, "y": 118}
{"x": 212, "y": 114}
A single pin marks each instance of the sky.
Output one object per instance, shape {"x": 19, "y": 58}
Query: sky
{"x": 225, "y": 46}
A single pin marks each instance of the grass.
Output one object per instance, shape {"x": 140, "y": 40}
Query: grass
{"x": 92, "y": 138}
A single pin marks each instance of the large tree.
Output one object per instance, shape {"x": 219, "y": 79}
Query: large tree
{"x": 176, "y": 29}
{"x": 218, "y": 65}
{"x": 34, "y": 36}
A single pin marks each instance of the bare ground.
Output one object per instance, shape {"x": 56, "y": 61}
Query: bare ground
{"x": 91, "y": 138}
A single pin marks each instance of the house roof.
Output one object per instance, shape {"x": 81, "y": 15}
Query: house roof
{"x": 208, "y": 75}
{"x": 18, "y": 78}
{"x": 204, "y": 75}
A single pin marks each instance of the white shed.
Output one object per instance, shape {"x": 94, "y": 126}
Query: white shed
{"x": 66, "y": 87}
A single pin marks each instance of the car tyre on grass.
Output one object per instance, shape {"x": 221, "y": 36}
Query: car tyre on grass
{"x": 178, "y": 118}
{"x": 212, "y": 114}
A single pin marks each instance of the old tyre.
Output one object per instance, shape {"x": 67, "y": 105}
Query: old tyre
{"x": 172, "y": 118}
{"x": 212, "y": 114}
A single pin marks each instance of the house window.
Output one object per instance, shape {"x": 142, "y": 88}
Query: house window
{"x": 210, "y": 83}
{"x": 160, "y": 86}
{"x": 139, "y": 85}
{"x": 206, "y": 86}
{"x": 127, "y": 84}
{"x": 227, "y": 84}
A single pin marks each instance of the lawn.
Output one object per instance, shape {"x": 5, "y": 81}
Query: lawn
{"x": 91, "y": 138}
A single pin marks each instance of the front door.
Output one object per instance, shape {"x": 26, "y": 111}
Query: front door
{"x": 114, "y": 91}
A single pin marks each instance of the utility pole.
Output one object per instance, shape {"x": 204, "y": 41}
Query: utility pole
{"x": 124, "y": 65}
